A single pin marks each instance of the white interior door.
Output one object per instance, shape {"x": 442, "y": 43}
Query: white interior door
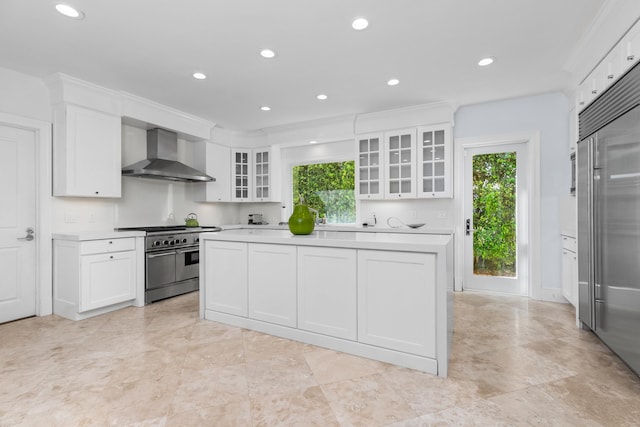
{"x": 18, "y": 213}
{"x": 495, "y": 215}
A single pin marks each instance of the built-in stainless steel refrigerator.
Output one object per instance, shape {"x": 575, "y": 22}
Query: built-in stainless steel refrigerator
{"x": 608, "y": 192}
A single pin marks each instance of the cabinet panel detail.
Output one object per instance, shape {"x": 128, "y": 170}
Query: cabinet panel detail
{"x": 272, "y": 283}
{"x": 226, "y": 278}
{"x": 327, "y": 296}
{"x": 397, "y": 301}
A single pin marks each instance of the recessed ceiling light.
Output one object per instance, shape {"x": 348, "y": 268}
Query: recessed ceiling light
{"x": 393, "y": 82}
{"x": 199, "y": 76}
{"x": 69, "y": 11}
{"x": 313, "y": 142}
{"x": 265, "y": 108}
{"x": 360, "y": 24}
{"x": 267, "y": 53}
{"x": 485, "y": 61}
{"x": 322, "y": 97}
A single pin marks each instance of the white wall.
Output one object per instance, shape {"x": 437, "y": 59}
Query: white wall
{"x": 547, "y": 114}
{"x": 23, "y": 95}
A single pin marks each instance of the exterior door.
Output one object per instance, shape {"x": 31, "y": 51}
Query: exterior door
{"x": 495, "y": 229}
{"x": 18, "y": 213}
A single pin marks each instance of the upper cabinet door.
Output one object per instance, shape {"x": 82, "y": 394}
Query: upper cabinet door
{"x": 266, "y": 174}
{"x": 434, "y": 161}
{"x": 86, "y": 155}
{"x": 215, "y": 160}
{"x": 369, "y": 167}
{"x": 400, "y": 169}
{"x": 241, "y": 175}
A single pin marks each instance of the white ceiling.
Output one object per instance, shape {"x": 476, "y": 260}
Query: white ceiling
{"x": 152, "y": 47}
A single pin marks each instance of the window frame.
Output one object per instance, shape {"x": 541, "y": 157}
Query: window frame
{"x": 320, "y": 155}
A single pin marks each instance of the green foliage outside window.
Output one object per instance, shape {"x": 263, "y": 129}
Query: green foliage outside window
{"x": 328, "y": 188}
{"x": 494, "y": 214}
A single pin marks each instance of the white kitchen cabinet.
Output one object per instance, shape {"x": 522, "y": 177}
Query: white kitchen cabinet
{"x": 266, "y": 173}
{"x": 397, "y": 301}
{"x": 272, "y": 283}
{"x": 569, "y": 269}
{"x": 327, "y": 296}
{"x": 241, "y": 176}
{"x": 254, "y": 175}
{"x": 215, "y": 160}
{"x": 95, "y": 276}
{"x": 434, "y": 161}
{"x": 107, "y": 279}
{"x": 226, "y": 280}
{"x": 86, "y": 152}
{"x": 400, "y": 164}
{"x": 370, "y": 166}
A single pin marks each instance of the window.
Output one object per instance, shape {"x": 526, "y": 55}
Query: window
{"x": 327, "y": 188}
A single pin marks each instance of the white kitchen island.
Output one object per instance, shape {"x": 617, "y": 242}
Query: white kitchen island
{"x": 384, "y": 296}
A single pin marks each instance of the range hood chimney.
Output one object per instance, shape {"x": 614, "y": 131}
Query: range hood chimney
{"x": 162, "y": 160}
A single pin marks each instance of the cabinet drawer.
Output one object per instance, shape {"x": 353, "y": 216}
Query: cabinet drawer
{"x": 107, "y": 245}
{"x": 569, "y": 243}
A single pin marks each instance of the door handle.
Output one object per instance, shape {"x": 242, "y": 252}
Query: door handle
{"x": 468, "y": 229}
{"x": 150, "y": 256}
{"x": 29, "y": 237}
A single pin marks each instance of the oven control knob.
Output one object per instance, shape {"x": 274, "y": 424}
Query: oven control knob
{"x": 166, "y": 242}
{"x": 171, "y": 243}
{"x": 177, "y": 241}
{"x": 184, "y": 240}
{"x": 156, "y": 243}
{"x": 196, "y": 240}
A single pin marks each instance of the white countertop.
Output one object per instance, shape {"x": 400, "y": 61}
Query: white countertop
{"x": 96, "y": 235}
{"x": 401, "y": 230}
{"x": 408, "y": 242}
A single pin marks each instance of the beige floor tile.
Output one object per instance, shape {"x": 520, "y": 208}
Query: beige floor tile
{"x": 366, "y": 401}
{"x": 330, "y": 366}
{"x": 233, "y": 414}
{"x": 212, "y": 385}
{"x": 263, "y": 346}
{"x": 278, "y": 375}
{"x": 426, "y": 393}
{"x": 515, "y": 362}
{"x": 307, "y": 407}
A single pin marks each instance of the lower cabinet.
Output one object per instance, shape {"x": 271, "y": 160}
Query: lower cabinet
{"x": 94, "y": 276}
{"x": 107, "y": 279}
{"x": 376, "y": 303}
{"x": 225, "y": 281}
{"x": 327, "y": 291}
{"x": 397, "y": 301}
{"x": 272, "y": 283}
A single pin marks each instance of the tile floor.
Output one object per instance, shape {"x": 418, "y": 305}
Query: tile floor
{"x": 514, "y": 362}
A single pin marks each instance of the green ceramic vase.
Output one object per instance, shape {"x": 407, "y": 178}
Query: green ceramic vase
{"x": 302, "y": 221}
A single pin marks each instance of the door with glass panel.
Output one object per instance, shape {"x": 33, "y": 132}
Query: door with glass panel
{"x": 400, "y": 168}
{"x": 369, "y": 170}
{"x": 261, "y": 173}
{"x": 495, "y": 220}
{"x": 434, "y": 161}
{"x": 241, "y": 177}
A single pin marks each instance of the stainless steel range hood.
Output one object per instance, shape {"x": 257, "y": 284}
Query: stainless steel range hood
{"x": 162, "y": 160}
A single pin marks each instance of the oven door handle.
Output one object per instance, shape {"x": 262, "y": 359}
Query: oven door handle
{"x": 187, "y": 251}
{"x": 159, "y": 255}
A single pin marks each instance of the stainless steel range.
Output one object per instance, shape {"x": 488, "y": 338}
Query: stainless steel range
{"x": 172, "y": 260}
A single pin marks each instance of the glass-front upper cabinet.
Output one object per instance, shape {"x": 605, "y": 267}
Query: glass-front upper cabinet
{"x": 240, "y": 175}
{"x": 369, "y": 168}
{"x": 434, "y": 161}
{"x": 261, "y": 175}
{"x": 400, "y": 164}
